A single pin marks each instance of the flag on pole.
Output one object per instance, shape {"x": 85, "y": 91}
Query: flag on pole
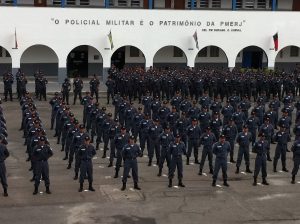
{"x": 196, "y": 39}
{"x": 16, "y": 40}
{"x": 275, "y": 39}
{"x": 110, "y": 40}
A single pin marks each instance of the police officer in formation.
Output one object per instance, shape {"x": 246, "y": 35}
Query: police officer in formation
{"x": 65, "y": 89}
{"x": 130, "y": 153}
{"x": 86, "y": 153}
{"x": 8, "y": 80}
{"x": 221, "y": 149}
{"x": 77, "y": 89}
{"x": 40, "y": 85}
{"x": 94, "y": 87}
{"x": 3, "y": 156}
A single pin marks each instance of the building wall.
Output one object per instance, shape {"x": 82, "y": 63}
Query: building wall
{"x": 148, "y": 30}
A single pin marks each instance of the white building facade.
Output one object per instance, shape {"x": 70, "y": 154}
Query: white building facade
{"x": 62, "y": 41}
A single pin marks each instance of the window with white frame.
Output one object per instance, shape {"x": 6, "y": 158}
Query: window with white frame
{"x": 122, "y": 3}
{"x": 135, "y": 3}
{"x": 204, "y": 3}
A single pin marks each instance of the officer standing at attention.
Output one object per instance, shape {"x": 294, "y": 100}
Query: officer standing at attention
{"x": 176, "y": 150}
{"x": 3, "y": 156}
{"x": 65, "y": 89}
{"x": 282, "y": 138}
{"x": 77, "y": 88}
{"x": 243, "y": 139}
{"x": 165, "y": 140}
{"x": 86, "y": 153}
{"x": 121, "y": 139}
{"x": 296, "y": 158}
{"x": 130, "y": 153}
{"x": 41, "y": 154}
{"x": 193, "y": 133}
{"x": 110, "y": 88}
{"x": 8, "y": 80}
{"x": 207, "y": 139}
{"x": 221, "y": 150}
{"x": 94, "y": 87}
{"x": 261, "y": 148}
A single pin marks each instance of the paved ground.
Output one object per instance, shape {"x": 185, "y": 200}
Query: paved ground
{"x": 156, "y": 203}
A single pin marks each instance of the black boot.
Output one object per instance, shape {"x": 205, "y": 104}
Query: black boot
{"x": 213, "y": 183}
{"x": 48, "y": 190}
{"x": 36, "y": 189}
{"x": 5, "y": 192}
{"x": 69, "y": 166}
{"x": 293, "y": 179}
{"x": 264, "y": 182}
{"x": 150, "y": 162}
{"x": 187, "y": 160}
{"x": 104, "y": 154}
{"x": 211, "y": 171}
{"x": 232, "y": 160}
{"x": 254, "y": 181}
{"x": 123, "y": 187}
{"x": 80, "y": 187}
{"x": 180, "y": 184}
{"x": 170, "y": 183}
{"x": 284, "y": 169}
{"x": 91, "y": 187}
{"x": 66, "y": 157}
{"x": 136, "y": 186}
{"x": 200, "y": 172}
{"x": 248, "y": 170}
{"x": 62, "y": 148}
{"x": 237, "y": 170}
{"x": 110, "y": 164}
{"x": 76, "y": 176}
{"x": 274, "y": 167}
{"x": 97, "y": 146}
{"x": 225, "y": 183}
{"x": 116, "y": 174}
{"x": 159, "y": 172}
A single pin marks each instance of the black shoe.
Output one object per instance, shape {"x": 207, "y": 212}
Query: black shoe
{"x": 75, "y": 177}
{"x": 285, "y": 169}
{"x": 80, "y": 189}
{"x": 269, "y": 159}
{"x": 254, "y": 181}
{"x": 196, "y": 161}
{"x": 170, "y": 183}
{"x": 5, "y": 194}
{"x": 28, "y": 159}
{"x": 150, "y": 162}
{"x": 293, "y": 179}
{"x": 62, "y": 149}
{"x": 116, "y": 175}
{"x": 48, "y": 190}
{"x": 30, "y": 169}
{"x": 248, "y": 170}
{"x": 274, "y": 170}
{"x": 35, "y": 191}
{"x": 200, "y": 172}
{"x": 91, "y": 188}
{"x": 69, "y": 166}
{"x": 264, "y": 182}
{"x": 237, "y": 170}
{"x": 123, "y": 187}
{"x": 136, "y": 186}
{"x": 226, "y": 184}
{"x": 104, "y": 155}
{"x": 213, "y": 183}
{"x": 65, "y": 158}
{"x": 187, "y": 161}
{"x": 232, "y": 161}
{"x": 180, "y": 184}
{"x": 211, "y": 171}
{"x": 110, "y": 164}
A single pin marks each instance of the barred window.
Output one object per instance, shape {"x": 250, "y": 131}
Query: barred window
{"x": 204, "y": 4}
{"x": 214, "y": 52}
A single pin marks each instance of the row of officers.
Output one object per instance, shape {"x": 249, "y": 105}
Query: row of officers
{"x": 109, "y": 133}
{"x": 134, "y": 82}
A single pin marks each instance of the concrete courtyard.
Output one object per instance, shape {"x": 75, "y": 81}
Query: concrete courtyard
{"x": 197, "y": 203}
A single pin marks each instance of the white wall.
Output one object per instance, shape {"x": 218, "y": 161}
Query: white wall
{"x": 39, "y": 54}
{"x": 37, "y": 26}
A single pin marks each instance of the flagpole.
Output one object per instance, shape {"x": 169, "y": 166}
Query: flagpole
{"x": 16, "y": 41}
